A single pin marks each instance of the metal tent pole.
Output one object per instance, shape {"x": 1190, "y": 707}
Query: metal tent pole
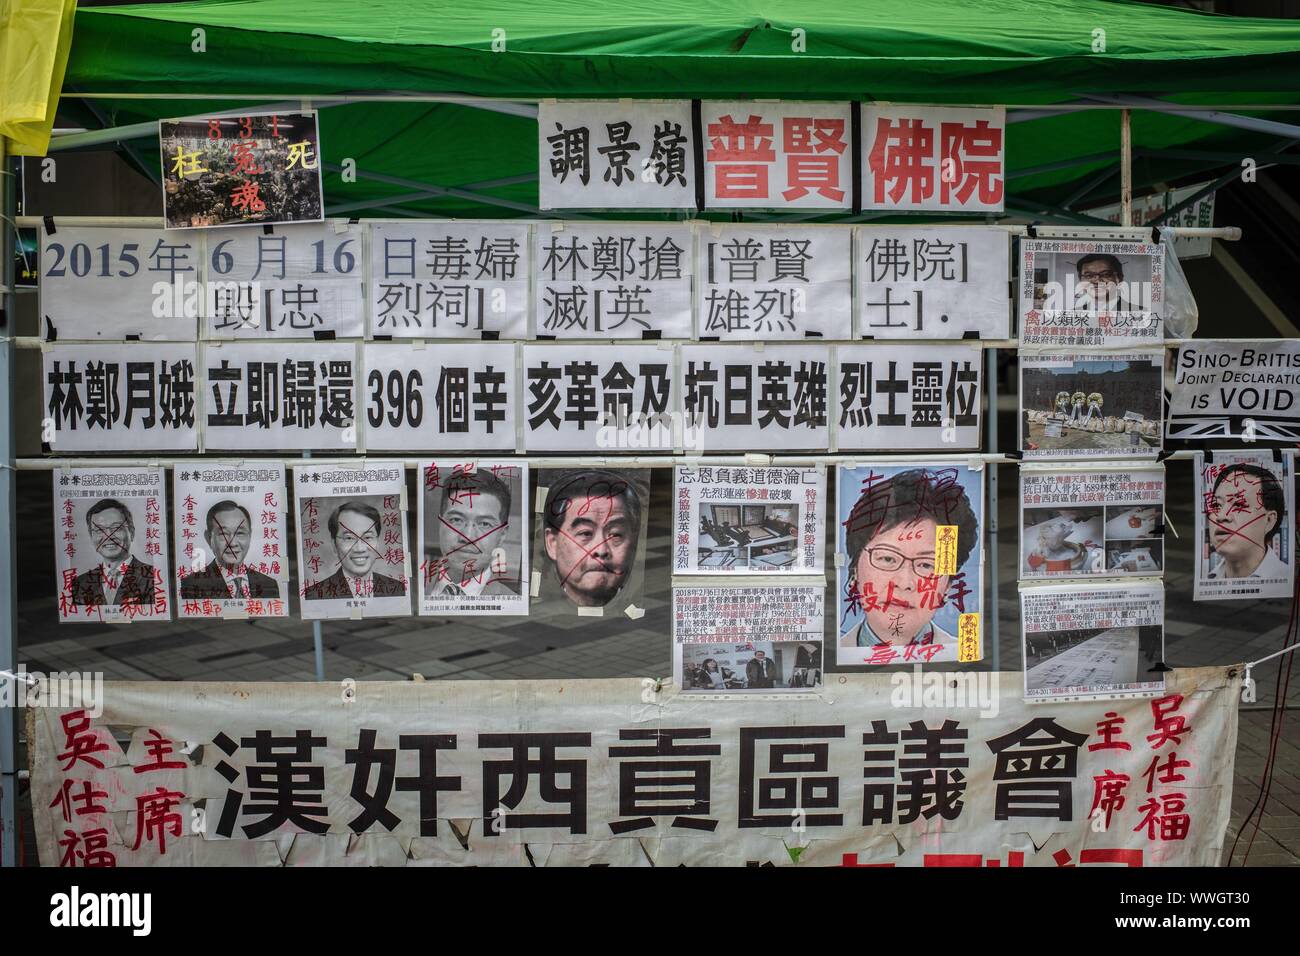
{"x": 8, "y": 522}
{"x": 991, "y": 521}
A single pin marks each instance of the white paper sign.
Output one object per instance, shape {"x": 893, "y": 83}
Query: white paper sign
{"x": 1091, "y": 405}
{"x": 745, "y": 398}
{"x": 353, "y": 560}
{"x": 1080, "y": 523}
{"x": 737, "y": 521}
{"x": 747, "y": 639}
{"x": 612, "y": 281}
{"x": 119, "y": 397}
{"x": 473, "y": 537}
{"x": 293, "y": 282}
{"x": 934, "y": 282}
{"x": 111, "y": 543}
{"x": 108, "y": 283}
{"x": 795, "y": 155}
{"x": 449, "y": 280}
{"x": 279, "y": 395}
{"x": 1093, "y": 641}
{"x": 908, "y": 396}
{"x": 615, "y": 154}
{"x": 1086, "y": 293}
{"x": 458, "y": 397}
{"x": 599, "y": 399}
{"x": 759, "y": 283}
{"x": 933, "y": 157}
{"x": 1245, "y": 546}
{"x": 1231, "y": 390}
{"x": 232, "y": 540}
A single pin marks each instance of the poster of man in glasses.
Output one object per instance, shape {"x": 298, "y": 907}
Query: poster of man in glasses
{"x": 911, "y": 579}
{"x": 1090, "y": 293}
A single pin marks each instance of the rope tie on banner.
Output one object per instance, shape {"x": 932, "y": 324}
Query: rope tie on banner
{"x": 19, "y": 676}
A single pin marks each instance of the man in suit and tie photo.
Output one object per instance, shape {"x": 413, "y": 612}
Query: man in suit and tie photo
{"x": 119, "y": 578}
{"x": 760, "y": 672}
{"x": 473, "y": 518}
{"x": 355, "y": 531}
{"x": 228, "y": 531}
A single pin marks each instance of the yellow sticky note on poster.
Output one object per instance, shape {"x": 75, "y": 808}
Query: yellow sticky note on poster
{"x": 945, "y": 549}
{"x": 968, "y": 638}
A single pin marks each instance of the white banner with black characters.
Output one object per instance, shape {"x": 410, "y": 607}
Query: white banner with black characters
{"x": 119, "y": 397}
{"x": 456, "y": 396}
{"x": 737, "y": 521}
{"x": 908, "y": 396}
{"x": 287, "y": 282}
{"x": 272, "y": 396}
{"x": 1231, "y": 390}
{"x": 111, "y": 545}
{"x": 449, "y": 280}
{"x": 589, "y": 543}
{"x": 1078, "y": 293}
{"x": 932, "y": 282}
{"x": 612, "y": 280}
{"x": 473, "y": 537}
{"x": 936, "y": 158}
{"x": 232, "y": 540}
{"x": 759, "y": 283}
{"x": 353, "y": 560}
{"x": 109, "y": 283}
{"x": 741, "y": 398}
{"x": 598, "y": 399}
{"x": 910, "y": 565}
{"x": 765, "y": 155}
{"x": 1093, "y": 641}
{"x": 1076, "y": 523}
{"x": 615, "y": 154}
{"x": 748, "y": 638}
{"x": 1245, "y": 542}
{"x": 1091, "y": 405}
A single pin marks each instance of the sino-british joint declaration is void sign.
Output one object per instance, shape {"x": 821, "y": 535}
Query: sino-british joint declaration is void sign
{"x": 895, "y": 770}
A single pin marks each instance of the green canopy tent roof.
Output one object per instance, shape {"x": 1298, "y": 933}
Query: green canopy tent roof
{"x": 1020, "y": 53}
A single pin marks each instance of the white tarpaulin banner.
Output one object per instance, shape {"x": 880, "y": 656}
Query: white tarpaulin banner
{"x": 898, "y": 770}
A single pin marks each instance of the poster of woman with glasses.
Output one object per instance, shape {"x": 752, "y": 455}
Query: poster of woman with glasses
{"x": 910, "y": 578}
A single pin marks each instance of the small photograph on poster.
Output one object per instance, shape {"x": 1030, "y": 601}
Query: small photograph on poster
{"x": 473, "y": 527}
{"x": 352, "y": 545}
{"x": 738, "y": 520}
{"x": 232, "y": 540}
{"x": 1091, "y": 406}
{"x": 590, "y": 540}
{"x": 910, "y": 577}
{"x": 1078, "y": 523}
{"x": 1088, "y": 293}
{"x": 235, "y": 170}
{"x": 1245, "y": 542}
{"x": 1092, "y": 641}
{"x": 111, "y": 542}
{"x": 748, "y": 637}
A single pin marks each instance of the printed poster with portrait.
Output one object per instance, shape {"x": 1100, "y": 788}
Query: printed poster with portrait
{"x": 589, "y": 542}
{"x": 1077, "y": 522}
{"x": 746, "y": 638}
{"x": 232, "y": 540}
{"x": 1093, "y": 641}
{"x": 1081, "y": 405}
{"x": 910, "y": 546}
{"x": 111, "y": 543}
{"x": 473, "y": 537}
{"x": 352, "y": 546}
{"x": 1245, "y": 545}
{"x": 1091, "y": 293}
{"x": 749, "y": 520}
